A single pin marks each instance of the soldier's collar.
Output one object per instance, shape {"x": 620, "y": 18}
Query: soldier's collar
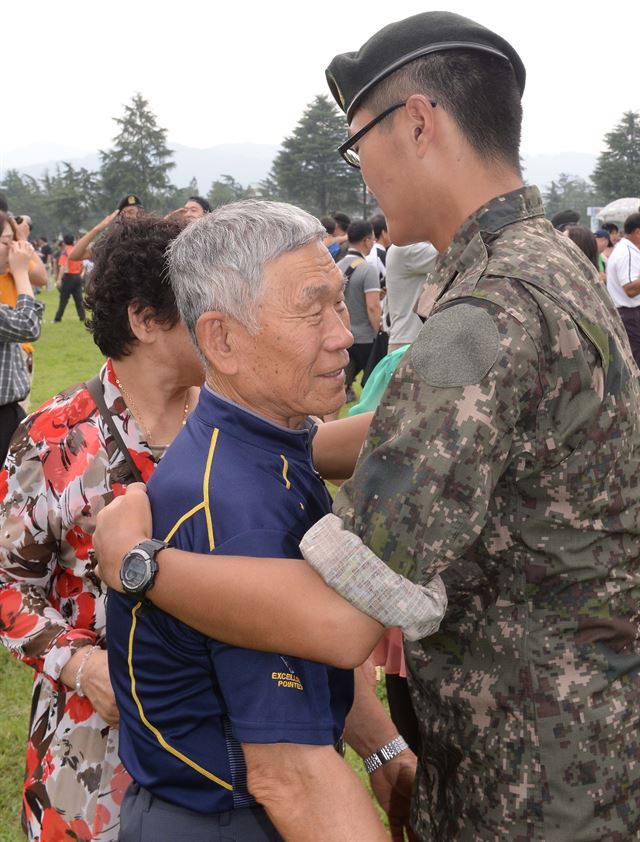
{"x": 468, "y": 248}
{"x": 520, "y": 204}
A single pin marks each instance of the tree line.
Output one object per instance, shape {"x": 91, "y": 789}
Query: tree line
{"x": 306, "y": 171}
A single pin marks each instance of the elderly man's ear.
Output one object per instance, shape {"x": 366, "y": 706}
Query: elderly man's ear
{"x": 214, "y": 332}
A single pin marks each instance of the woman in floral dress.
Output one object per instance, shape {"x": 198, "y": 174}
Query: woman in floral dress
{"x": 63, "y": 467}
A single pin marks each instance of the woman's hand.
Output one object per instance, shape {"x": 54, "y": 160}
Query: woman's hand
{"x": 95, "y": 682}
{"x": 20, "y": 253}
{"x": 96, "y": 685}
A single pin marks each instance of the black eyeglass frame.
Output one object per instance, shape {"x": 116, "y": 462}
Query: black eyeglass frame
{"x": 346, "y": 147}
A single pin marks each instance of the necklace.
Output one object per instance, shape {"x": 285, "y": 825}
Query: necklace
{"x": 136, "y": 412}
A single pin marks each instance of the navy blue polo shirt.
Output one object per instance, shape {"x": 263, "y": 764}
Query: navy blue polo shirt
{"x": 231, "y": 483}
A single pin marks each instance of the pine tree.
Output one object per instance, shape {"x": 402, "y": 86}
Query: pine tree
{"x": 308, "y": 171}
{"x": 617, "y": 172}
{"x": 71, "y": 197}
{"x": 140, "y": 160}
{"x": 226, "y": 189}
{"x": 25, "y": 196}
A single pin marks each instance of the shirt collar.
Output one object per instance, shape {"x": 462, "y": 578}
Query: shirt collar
{"x": 214, "y": 410}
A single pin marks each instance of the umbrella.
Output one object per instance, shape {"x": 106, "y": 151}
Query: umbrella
{"x": 619, "y": 210}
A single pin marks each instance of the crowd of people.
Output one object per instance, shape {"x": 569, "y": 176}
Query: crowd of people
{"x": 203, "y": 620}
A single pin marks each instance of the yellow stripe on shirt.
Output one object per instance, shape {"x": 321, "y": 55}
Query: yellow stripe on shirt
{"x": 285, "y": 469}
{"x": 165, "y": 745}
{"x": 205, "y": 489}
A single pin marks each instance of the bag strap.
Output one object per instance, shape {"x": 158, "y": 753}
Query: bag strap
{"x": 94, "y": 387}
{"x": 352, "y": 268}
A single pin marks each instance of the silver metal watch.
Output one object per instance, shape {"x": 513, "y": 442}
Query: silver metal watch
{"x": 385, "y": 754}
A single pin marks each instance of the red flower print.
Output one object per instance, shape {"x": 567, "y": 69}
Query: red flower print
{"x": 78, "y": 707}
{"x": 55, "y": 829}
{"x": 13, "y": 621}
{"x": 120, "y": 780}
{"x": 144, "y": 463}
{"x": 80, "y": 541}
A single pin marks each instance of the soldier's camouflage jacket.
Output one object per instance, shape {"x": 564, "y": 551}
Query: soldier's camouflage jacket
{"x": 506, "y": 456}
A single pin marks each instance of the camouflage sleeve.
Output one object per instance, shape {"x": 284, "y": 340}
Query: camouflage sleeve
{"x": 31, "y": 626}
{"x": 440, "y": 440}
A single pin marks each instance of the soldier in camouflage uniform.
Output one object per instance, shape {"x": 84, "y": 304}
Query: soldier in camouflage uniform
{"x": 505, "y": 456}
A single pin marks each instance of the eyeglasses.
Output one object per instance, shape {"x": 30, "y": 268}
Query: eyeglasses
{"x": 346, "y": 149}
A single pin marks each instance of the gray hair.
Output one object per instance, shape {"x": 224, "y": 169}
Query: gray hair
{"x": 218, "y": 261}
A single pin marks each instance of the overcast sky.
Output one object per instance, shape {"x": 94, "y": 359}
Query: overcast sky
{"x": 239, "y": 70}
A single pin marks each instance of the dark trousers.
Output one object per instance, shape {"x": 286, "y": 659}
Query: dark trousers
{"x": 11, "y": 414}
{"x": 631, "y": 320}
{"x": 71, "y": 286}
{"x": 358, "y": 356}
{"x": 145, "y": 818}
{"x": 402, "y": 712}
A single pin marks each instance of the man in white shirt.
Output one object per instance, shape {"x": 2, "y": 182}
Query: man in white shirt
{"x": 623, "y": 280}
{"x": 378, "y": 255}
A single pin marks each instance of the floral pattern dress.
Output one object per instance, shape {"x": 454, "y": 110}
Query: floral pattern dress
{"x": 63, "y": 467}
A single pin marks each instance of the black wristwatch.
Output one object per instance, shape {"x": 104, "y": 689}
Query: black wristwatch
{"x": 139, "y": 567}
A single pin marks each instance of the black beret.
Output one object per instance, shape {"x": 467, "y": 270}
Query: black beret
{"x": 352, "y": 75}
{"x": 129, "y": 201}
{"x": 565, "y": 217}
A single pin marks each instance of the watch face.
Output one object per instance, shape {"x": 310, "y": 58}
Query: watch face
{"x": 135, "y": 571}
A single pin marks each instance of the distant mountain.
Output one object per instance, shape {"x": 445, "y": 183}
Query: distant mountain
{"x": 543, "y": 169}
{"x": 249, "y": 163}
{"x": 32, "y": 155}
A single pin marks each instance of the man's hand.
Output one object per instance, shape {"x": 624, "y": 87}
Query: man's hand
{"x": 20, "y": 253}
{"x": 393, "y": 785}
{"x": 178, "y": 215}
{"x": 120, "y": 526}
{"x": 104, "y": 223}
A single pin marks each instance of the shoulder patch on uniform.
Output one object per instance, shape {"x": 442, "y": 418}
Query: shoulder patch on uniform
{"x": 456, "y": 347}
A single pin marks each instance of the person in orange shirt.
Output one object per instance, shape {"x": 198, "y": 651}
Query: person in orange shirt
{"x": 69, "y": 281}
{"x": 8, "y": 291}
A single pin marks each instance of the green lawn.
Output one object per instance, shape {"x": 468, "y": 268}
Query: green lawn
{"x": 65, "y": 354}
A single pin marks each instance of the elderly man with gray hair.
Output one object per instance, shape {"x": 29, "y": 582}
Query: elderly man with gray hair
{"x": 208, "y": 730}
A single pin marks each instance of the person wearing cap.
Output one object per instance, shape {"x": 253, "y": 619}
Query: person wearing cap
{"x": 563, "y": 218}
{"x": 505, "y": 455}
{"x": 129, "y": 207}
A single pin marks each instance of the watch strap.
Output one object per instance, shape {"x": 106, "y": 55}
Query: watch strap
{"x": 384, "y": 754}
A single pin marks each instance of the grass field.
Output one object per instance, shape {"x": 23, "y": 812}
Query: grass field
{"x": 65, "y": 354}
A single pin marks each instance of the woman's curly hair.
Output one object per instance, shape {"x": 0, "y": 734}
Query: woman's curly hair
{"x": 130, "y": 268}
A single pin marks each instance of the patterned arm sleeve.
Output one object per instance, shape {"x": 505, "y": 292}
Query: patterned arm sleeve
{"x": 21, "y": 323}
{"x": 31, "y": 627}
{"x": 420, "y": 496}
